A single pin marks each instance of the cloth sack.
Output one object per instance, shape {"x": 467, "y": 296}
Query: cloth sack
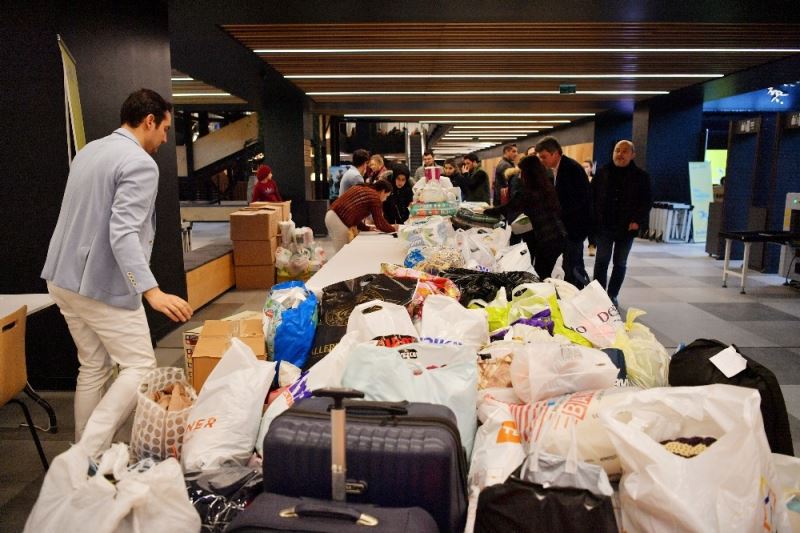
{"x": 541, "y": 371}
{"x": 731, "y": 486}
{"x": 579, "y": 409}
{"x": 377, "y": 319}
{"x": 223, "y": 423}
{"x": 496, "y": 454}
{"x": 158, "y": 432}
{"x": 646, "y": 359}
{"x": 78, "y": 496}
{"x": 290, "y": 322}
{"x": 592, "y": 314}
{"x": 444, "y": 318}
{"x": 419, "y": 372}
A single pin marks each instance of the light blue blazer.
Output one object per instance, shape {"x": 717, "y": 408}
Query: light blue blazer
{"x": 104, "y": 236}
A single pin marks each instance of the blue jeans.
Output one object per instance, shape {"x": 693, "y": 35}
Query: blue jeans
{"x": 574, "y": 269}
{"x": 610, "y": 245}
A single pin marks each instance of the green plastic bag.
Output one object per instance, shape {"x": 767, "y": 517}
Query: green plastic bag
{"x": 497, "y": 310}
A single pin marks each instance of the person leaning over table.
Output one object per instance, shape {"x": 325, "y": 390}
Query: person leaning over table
{"x": 98, "y": 270}
{"x": 351, "y": 208}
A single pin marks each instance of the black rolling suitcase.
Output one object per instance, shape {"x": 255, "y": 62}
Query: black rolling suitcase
{"x": 691, "y": 367}
{"x": 274, "y": 512}
{"x": 398, "y": 455}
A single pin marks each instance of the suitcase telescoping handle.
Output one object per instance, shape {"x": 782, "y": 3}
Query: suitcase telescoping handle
{"x": 338, "y": 438}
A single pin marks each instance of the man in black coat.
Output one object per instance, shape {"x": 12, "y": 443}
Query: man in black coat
{"x": 622, "y": 199}
{"x": 574, "y": 195}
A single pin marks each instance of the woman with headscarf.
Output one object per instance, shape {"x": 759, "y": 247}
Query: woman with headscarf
{"x": 537, "y": 199}
{"x": 266, "y": 190}
{"x": 395, "y": 209}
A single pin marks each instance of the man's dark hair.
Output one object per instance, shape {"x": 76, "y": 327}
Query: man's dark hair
{"x": 549, "y": 144}
{"x": 473, "y": 157}
{"x": 382, "y": 186}
{"x": 509, "y": 146}
{"x": 141, "y": 103}
{"x": 428, "y": 152}
{"x": 360, "y": 157}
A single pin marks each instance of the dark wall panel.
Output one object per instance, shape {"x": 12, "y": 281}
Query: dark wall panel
{"x": 610, "y": 128}
{"x": 787, "y": 178}
{"x": 739, "y": 185}
{"x": 673, "y": 139}
{"x": 118, "y": 48}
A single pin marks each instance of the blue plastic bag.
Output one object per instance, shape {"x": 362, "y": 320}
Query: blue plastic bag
{"x": 290, "y": 322}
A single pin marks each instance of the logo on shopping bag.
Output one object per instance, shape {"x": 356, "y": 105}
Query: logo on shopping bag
{"x": 606, "y": 316}
{"x": 509, "y": 433}
{"x": 407, "y": 353}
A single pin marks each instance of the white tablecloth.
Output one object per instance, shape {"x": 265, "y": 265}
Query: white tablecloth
{"x": 35, "y": 302}
{"x": 362, "y": 256}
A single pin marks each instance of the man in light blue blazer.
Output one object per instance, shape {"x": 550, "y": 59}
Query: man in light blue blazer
{"x": 97, "y": 266}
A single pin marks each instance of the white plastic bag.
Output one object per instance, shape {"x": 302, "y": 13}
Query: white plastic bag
{"x": 444, "y": 318}
{"x": 157, "y": 432}
{"x": 579, "y": 409}
{"x": 731, "y": 486}
{"x": 326, "y": 373}
{"x": 592, "y": 314}
{"x": 497, "y": 452}
{"x": 544, "y": 370}
{"x": 223, "y": 424}
{"x": 152, "y": 501}
{"x": 377, "y": 318}
{"x": 788, "y": 471}
{"x": 515, "y": 258}
{"x": 419, "y": 372}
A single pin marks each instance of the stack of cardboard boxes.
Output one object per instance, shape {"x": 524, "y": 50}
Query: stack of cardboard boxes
{"x": 254, "y": 232}
{"x": 214, "y": 341}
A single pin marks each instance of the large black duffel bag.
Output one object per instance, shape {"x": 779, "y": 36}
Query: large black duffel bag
{"x": 691, "y": 367}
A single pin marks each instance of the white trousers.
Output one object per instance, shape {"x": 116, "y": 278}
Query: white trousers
{"x": 104, "y": 336}
{"x": 338, "y": 232}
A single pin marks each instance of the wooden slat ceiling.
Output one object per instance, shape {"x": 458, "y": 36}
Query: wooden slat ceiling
{"x": 202, "y": 92}
{"x": 562, "y": 65}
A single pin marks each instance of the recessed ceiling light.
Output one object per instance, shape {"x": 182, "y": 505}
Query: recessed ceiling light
{"x": 521, "y": 122}
{"x": 471, "y": 93}
{"x": 199, "y": 94}
{"x": 182, "y": 79}
{"x": 522, "y": 50}
{"x": 497, "y": 127}
{"x": 383, "y": 115}
{"x": 493, "y": 76}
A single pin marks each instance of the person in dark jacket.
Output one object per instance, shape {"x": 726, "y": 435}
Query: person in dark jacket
{"x": 537, "y": 199}
{"x": 501, "y": 181}
{"x": 622, "y": 199}
{"x": 475, "y": 179}
{"x": 575, "y": 198}
{"x": 395, "y": 208}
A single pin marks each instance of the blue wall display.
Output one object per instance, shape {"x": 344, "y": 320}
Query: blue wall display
{"x": 610, "y": 128}
{"x": 784, "y": 97}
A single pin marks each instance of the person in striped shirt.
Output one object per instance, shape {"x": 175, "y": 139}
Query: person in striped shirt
{"x": 353, "y": 207}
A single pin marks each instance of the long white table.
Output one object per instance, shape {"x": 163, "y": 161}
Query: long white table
{"x": 364, "y": 255}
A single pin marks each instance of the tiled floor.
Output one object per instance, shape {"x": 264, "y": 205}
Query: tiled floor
{"x": 678, "y": 285}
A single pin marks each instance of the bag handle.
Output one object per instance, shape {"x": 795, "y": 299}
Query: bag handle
{"x": 322, "y": 510}
{"x": 338, "y": 438}
{"x": 531, "y": 464}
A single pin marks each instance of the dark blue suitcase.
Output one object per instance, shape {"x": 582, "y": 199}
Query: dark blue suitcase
{"x": 398, "y": 455}
{"x": 272, "y": 512}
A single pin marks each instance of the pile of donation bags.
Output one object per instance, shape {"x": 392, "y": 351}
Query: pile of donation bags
{"x": 552, "y": 400}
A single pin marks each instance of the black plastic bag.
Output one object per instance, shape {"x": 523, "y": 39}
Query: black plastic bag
{"x": 521, "y": 506}
{"x": 339, "y": 300}
{"x": 474, "y": 284}
{"x": 691, "y": 367}
{"x": 220, "y": 494}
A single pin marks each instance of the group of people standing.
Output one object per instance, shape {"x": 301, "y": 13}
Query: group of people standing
{"x": 555, "y": 193}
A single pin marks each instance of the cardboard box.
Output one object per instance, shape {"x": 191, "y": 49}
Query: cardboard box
{"x": 285, "y": 207}
{"x": 191, "y": 336}
{"x": 215, "y": 340}
{"x": 254, "y": 224}
{"x": 249, "y": 253}
{"x": 255, "y": 277}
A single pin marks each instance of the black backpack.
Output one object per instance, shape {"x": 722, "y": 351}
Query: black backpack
{"x": 691, "y": 367}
